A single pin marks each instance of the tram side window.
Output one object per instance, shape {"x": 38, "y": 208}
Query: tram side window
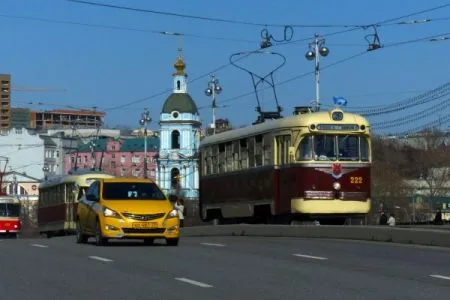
{"x": 258, "y": 150}
{"x": 214, "y": 159}
{"x": 305, "y": 149}
{"x": 251, "y": 151}
{"x": 283, "y": 144}
{"x": 221, "y": 158}
{"x": 236, "y": 145}
{"x": 267, "y": 150}
{"x": 228, "y": 157}
{"x": 243, "y": 154}
{"x": 364, "y": 148}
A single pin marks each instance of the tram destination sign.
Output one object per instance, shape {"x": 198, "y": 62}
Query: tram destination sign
{"x": 336, "y": 127}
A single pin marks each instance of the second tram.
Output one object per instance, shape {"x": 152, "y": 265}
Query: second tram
{"x": 58, "y": 200}
{"x": 10, "y": 215}
{"x": 306, "y": 167}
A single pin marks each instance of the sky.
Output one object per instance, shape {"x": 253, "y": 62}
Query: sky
{"x": 118, "y": 61}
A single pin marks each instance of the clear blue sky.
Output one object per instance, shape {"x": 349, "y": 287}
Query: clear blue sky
{"x": 107, "y": 67}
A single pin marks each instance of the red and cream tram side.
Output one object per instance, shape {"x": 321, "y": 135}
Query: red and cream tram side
{"x": 311, "y": 166}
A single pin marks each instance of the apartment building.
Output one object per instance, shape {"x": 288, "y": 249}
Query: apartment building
{"x": 5, "y": 104}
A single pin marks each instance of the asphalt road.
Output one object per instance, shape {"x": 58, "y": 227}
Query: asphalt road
{"x": 222, "y": 268}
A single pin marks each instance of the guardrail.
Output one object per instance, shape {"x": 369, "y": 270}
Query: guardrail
{"x": 417, "y": 236}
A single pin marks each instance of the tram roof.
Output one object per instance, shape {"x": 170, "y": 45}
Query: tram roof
{"x": 287, "y": 122}
{"x": 79, "y": 177}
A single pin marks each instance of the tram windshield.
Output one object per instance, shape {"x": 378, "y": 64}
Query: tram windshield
{"x": 9, "y": 210}
{"x": 328, "y": 147}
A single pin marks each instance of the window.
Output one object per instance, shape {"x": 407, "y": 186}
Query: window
{"x": 348, "y": 147}
{"x": 364, "y": 148}
{"x": 178, "y": 85}
{"x": 325, "y": 147}
{"x": 305, "y": 149}
{"x": 333, "y": 147}
{"x": 9, "y": 210}
{"x": 132, "y": 191}
{"x": 175, "y": 139}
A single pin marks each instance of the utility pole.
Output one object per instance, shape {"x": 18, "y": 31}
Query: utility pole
{"x": 213, "y": 89}
{"x": 145, "y": 119}
{"x": 316, "y": 49}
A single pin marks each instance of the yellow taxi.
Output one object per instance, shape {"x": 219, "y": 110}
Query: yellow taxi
{"x": 126, "y": 208}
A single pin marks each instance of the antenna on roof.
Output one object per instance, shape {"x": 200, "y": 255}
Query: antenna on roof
{"x": 263, "y": 115}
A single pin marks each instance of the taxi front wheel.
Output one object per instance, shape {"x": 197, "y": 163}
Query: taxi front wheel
{"x": 172, "y": 242}
{"x": 99, "y": 239}
{"x": 80, "y": 237}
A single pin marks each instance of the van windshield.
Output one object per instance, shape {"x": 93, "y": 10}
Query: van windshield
{"x": 132, "y": 191}
{"x": 9, "y": 210}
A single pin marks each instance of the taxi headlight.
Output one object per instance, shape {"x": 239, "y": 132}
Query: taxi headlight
{"x": 172, "y": 214}
{"x": 110, "y": 213}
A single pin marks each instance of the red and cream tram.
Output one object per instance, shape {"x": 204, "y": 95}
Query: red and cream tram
{"x": 9, "y": 215}
{"x": 309, "y": 166}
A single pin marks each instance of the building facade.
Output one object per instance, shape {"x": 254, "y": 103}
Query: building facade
{"x": 24, "y": 150}
{"x": 177, "y": 163}
{"x": 5, "y": 98}
{"x": 117, "y": 157}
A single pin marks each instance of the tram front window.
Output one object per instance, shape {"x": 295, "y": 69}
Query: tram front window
{"x": 328, "y": 147}
{"x": 9, "y": 210}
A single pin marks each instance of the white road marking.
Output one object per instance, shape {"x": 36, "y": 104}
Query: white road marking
{"x": 100, "y": 258}
{"x": 309, "y": 256}
{"x": 441, "y": 277}
{"x": 39, "y": 245}
{"x": 213, "y": 244}
{"x": 193, "y": 282}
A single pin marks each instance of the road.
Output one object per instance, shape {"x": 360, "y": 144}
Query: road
{"x": 222, "y": 268}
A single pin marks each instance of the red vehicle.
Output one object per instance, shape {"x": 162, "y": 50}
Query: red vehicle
{"x": 312, "y": 166}
{"x": 9, "y": 215}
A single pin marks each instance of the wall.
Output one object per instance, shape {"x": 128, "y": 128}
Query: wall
{"x": 24, "y": 150}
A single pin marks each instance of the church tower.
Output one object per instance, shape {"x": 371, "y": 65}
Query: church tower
{"x": 177, "y": 171}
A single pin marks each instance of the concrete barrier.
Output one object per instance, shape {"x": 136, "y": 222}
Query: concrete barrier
{"x": 418, "y": 236}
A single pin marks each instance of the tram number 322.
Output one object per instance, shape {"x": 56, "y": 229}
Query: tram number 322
{"x": 356, "y": 180}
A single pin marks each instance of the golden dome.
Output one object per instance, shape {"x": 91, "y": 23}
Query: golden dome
{"x": 179, "y": 64}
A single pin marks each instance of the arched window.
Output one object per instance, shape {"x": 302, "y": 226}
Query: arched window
{"x": 178, "y": 85}
{"x": 175, "y": 139}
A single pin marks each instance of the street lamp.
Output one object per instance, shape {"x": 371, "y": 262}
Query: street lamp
{"x": 213, "y": 89}
{"x": 145, "y": 119}
{"x": 316, "y": 49}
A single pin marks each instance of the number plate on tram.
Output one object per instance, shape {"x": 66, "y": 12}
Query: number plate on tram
{"x": 145, "y": 225}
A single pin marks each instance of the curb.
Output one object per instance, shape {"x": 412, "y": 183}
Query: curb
{"x": 415, "y": 236}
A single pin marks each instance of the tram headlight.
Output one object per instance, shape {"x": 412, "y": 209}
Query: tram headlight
{"x": 337, "y": 186}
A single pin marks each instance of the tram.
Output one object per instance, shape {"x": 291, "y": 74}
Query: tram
{"x": 58, "y": 201}
{"x": 9, "y": 215}
{"x": 311, "y": 166}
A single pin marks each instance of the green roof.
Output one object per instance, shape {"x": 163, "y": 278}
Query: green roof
{"x": 183, "y": 103}
{"x": 100, "y": 145}
{"x": 127, "y": 145}
{"x": 137, "y": 144}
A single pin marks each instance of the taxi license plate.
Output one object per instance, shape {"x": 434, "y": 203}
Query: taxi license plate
{"x": 145, "y": 225}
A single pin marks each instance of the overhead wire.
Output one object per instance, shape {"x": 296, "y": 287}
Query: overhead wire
{"x": 230, "y": 21}
{"x": 353, "y": 28}
{"x": 158, "y": 32}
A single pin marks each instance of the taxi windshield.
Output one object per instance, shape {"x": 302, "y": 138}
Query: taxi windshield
{"x": 132, "y": 191}
{"x": 9, "y": 210}
{"x": 326, "y": 147}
